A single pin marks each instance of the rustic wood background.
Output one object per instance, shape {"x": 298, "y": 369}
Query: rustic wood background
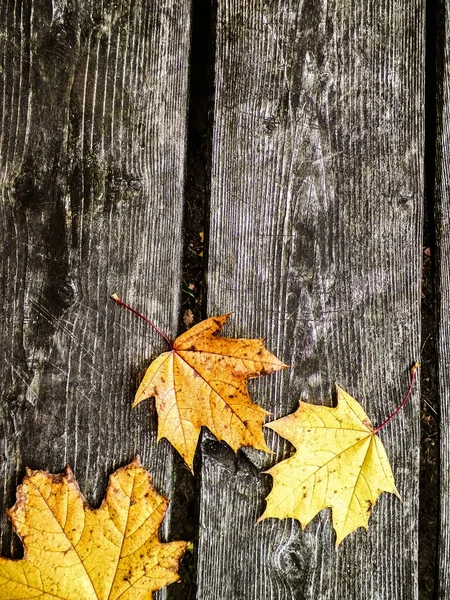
{"x": 310, "y": 153}
{"x": 315, "y": 243}
{"x": 94, "y": 99}
{"x": 443, "y": 286}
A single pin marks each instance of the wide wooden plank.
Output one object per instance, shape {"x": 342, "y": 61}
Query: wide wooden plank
{"x": 443, "y": 289}
{"x": 93, "y": 126}
{"x": 315, "y": 244}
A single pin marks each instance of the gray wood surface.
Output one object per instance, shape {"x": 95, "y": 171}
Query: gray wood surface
{"x": 443, "y": 287}
{"x": 93, "y": 125}
{"x": 315, "y": 244}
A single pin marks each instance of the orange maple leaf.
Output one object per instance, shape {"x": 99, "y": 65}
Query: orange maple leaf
{"x": 202, "y": 382}
{"x": 73, "y": 552}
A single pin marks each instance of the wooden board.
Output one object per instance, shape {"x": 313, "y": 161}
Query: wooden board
{"x": 94, "y": 104}
{"x": 315, "y": 244}
{"x": 443, "y": 289}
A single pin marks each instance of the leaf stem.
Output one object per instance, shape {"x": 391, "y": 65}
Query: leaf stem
{"x": 116, "y": 298}
{"x": 405, "y": 399}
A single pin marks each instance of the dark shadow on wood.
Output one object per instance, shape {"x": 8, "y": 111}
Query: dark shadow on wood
{"x": 184, "y": 502}
{"x": 429, "y": 456}
{"x": 198, "y": 163}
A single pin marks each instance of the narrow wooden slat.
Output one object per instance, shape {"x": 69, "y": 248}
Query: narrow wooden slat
{"x": 315, "y": 244}
{"x": 443, "y": 288}
{"x": 93, "y": 126}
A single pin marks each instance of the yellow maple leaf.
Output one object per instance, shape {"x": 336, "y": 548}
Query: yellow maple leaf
{"x": 202, "y": 382}
{"x": 339, "y": 463}
{"x": 73, "y": 552}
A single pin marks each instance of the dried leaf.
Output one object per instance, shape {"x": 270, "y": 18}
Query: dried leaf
{"x": 202, "y": 382}
{"x": 188, "y": 317}
{"x": 339, "y": 463}
{"x": 73, "y": 552}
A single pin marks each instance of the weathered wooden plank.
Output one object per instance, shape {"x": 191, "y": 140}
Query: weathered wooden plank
{"x": 315, "y": 244}
{"x": 443, "y": 288}
{"x": 93, "y": 125}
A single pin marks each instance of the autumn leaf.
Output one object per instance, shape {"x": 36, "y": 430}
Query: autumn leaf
{"x": 339, "y": 463}
{"x": 73, "y": 552}
{"x": 202, "y": 382}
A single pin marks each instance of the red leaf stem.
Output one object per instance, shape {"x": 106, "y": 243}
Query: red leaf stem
{"x": 116, "y": 298}
{"x": 405, "y": 399}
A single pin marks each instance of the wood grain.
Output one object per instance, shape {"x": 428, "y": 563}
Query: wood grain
{"x": 315, "y": 244}
{"x": 443, "y": 288}
{"x": 93, "y": 122}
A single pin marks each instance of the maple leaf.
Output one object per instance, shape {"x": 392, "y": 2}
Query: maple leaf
{"x": 73, "y": 552}
{"x": 339, "y": 463}
{"x": 202, "y": 382}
